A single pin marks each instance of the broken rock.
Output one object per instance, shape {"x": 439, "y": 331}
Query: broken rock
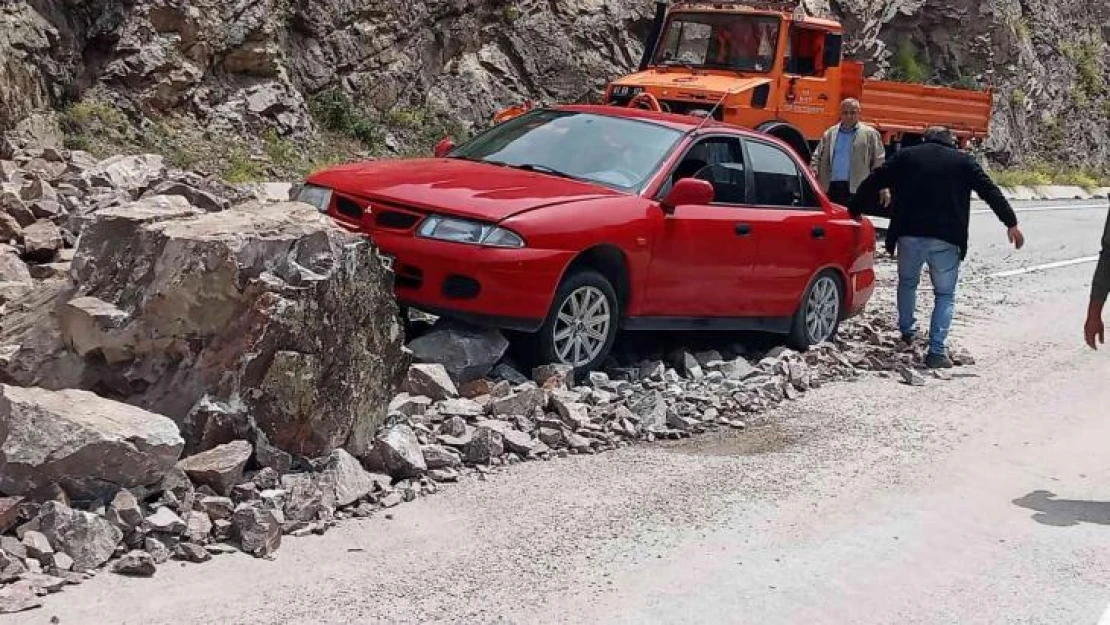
{"x": 343, "y": 475}
{"x": 41, "y": 242}
{"x": 9, "y": 510}
{"x": 397, "y": 452}
{"x": 467, "y": 353}
{"x": 87, "y": 538}
{"x": 18, "y": 597}
{"x": 89, "y": 445}
{"x": 440, "y": 457}
{"x": 136, "y": 564}
{"x": 486, "y": 445}
{"x": 430, "y": 380}
{"x": 259, "y": 530}
{"x": 219, "y": 468}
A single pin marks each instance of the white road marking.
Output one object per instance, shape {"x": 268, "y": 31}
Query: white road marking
{"x": 1105, "y": 620}
{"x": 1038, "y": 209}
{"x": 1056, "y": 265}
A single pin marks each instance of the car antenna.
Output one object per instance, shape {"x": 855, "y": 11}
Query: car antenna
{"x": 709, "y": 115}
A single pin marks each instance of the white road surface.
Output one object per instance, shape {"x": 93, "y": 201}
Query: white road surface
{"x": 985, "y": 499}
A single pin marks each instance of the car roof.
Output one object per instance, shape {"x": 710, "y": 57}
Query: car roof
{"x": 684, "y": 123}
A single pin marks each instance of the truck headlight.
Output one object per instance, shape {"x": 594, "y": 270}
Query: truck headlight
{"x": 467, "y": 231}
{"x": 320, "y": 197}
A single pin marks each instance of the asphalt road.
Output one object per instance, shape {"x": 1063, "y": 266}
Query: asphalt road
{"x": 985, "y": 499}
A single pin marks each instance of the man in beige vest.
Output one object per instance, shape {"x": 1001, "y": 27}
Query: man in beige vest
{"x": 847, "y": 154}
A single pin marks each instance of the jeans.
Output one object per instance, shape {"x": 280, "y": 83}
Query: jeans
{"x": 944, "y": 270}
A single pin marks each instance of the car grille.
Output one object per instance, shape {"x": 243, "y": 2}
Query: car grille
{"x": 348, "y": 207}
{"x": 395, "y": 220}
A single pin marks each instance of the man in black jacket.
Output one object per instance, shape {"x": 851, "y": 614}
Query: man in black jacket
{"x": 932, "y": 185}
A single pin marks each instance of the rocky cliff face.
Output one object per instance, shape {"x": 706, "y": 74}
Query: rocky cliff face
{"x": 243, "y": 65}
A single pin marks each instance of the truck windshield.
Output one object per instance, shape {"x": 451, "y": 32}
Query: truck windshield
{"x": 613, "y": 151}
{"x": 720, "y": 40}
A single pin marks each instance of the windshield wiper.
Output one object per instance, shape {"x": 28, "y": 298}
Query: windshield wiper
{"x": 544, "y": 169}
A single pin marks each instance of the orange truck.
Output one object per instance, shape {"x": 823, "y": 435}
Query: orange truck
{"x": 771, "y": 67}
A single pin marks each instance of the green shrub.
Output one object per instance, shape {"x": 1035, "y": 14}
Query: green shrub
{"x": 907, "y": 66}
{"x": 334, "y": 110}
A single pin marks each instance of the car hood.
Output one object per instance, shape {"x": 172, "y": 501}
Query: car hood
{"x": 681, "y": 84}
{"x": 457, "y": 187}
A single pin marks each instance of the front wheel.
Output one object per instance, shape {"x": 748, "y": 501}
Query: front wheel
{"x": 582, "y": 325}
{"x": 818, "y": 317}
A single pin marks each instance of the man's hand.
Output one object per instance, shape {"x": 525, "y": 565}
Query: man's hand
{"x": 1093, "y": 330}
{"x": 884, "y": 198}
{"x": 1016, "y": 237}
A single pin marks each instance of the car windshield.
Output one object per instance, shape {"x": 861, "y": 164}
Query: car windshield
{"x": 616, "y": 152}
{"x": 720, "y": 40}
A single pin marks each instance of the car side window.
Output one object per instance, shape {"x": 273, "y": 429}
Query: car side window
{"x": 720, "y": 162}
{"x": 777, "y": 179}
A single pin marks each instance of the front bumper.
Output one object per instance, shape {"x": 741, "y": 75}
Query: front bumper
{"x": 504, "y": 288}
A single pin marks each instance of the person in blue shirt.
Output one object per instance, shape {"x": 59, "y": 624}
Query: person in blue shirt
{"x": 847, "y": 153}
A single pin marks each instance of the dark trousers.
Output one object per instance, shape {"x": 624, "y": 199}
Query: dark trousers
{"x": 840, "y": 193}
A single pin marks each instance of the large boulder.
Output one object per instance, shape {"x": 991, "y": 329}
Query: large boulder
{"x": 89, "y": 445}
{"x": 267, "y": 308}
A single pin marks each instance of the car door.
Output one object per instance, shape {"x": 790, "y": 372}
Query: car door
{"x": 702, "y": 255}
{"x": 796, "y": 236}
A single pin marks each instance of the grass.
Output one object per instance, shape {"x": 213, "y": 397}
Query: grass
{"x": 1018, "y": 97}
{"x": 1042, "y": 175}
{"x": 908, "y": 66}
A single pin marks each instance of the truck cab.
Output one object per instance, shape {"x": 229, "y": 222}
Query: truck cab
{"x": 768, "y": 66}
{"x": 765, "y": 68}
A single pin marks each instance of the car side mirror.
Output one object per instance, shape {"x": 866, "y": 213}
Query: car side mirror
{"x": 444, "y": 147}
{"x": 687, "y": 192}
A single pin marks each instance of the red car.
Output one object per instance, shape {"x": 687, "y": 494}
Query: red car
{"x": 569, "y": 223}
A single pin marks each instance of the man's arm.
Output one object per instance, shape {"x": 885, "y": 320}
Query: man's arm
{"x": 1093, "y": 329}
{"x": 989, "y": 192}
{"x": 818, "y": 152}
{"x": 1100, "y": 286}
{"x": 881, "y": 178}
{"x": 878, "y": 150}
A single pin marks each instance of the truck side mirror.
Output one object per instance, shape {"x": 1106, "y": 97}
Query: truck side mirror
{"x": 834, "y": 45}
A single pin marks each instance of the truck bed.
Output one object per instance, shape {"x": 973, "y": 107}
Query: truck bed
{"x": 895, "y": 107}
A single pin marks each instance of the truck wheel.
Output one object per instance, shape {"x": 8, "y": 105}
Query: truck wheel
{"x": 818, "y": 317}
{"x": 582, "y": 325}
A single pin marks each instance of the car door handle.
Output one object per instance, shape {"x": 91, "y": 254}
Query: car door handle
{"x": 818, "y": 232}
{"x": 743, "y": 230}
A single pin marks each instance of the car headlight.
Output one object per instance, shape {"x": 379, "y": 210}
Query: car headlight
{"x": 467, "y": 231}
{"x": 320, "y": 197}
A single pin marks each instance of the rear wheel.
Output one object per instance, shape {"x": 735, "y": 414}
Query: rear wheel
{"x": 582, "y": 325}
{"x": 818, "y": 317}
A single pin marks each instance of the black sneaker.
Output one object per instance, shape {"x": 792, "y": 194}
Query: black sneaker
{"x": 938, "y": 361}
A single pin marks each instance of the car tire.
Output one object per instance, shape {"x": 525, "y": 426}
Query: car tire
{"x": 586, "y": 291}
{"x": 817, "y": 319}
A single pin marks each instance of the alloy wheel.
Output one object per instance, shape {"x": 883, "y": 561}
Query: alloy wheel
{"x": 582, "y": 326}
{"x": 822, "y": 310}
